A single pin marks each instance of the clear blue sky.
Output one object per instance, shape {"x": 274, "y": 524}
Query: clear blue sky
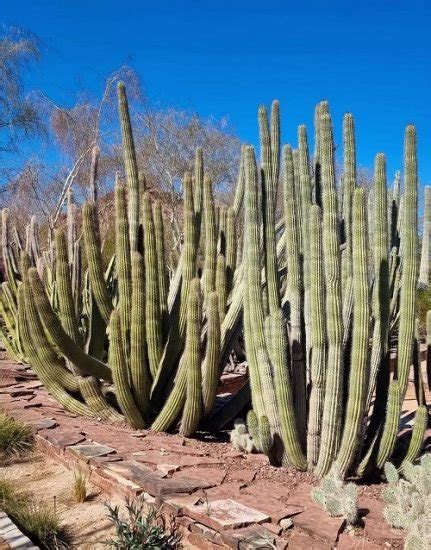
{"x": 225, "y": 57}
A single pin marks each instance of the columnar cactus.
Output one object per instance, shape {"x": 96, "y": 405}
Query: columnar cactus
{"x": 318, "y": 314}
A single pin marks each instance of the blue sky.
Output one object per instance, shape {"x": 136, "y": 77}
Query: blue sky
{"x": 224, "y": 58}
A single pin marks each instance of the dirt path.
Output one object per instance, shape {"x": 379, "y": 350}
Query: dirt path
{"x": 86, "y": 524}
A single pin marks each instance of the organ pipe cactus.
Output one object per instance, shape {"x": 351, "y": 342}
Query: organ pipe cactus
{"x": 123, "y": 329}
{"x": 340, "y": 317}
{"x": 319, "y": 294}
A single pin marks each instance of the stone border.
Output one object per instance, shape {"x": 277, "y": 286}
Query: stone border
{"x": 12, "y": 536}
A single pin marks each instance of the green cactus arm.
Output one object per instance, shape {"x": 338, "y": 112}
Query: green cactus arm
{"x": 410, "y": 262}
{"x": 211, "y": 371}
{"x": 176, "y": 337}
{"x": 152, "y": 301}
{"x": 123, "y": 262}
{"x": 92, "y": 243}
{"x": 131, "y": 166}
{"x": 52, "y": 366}
{"x": 293, "y": 293}
{"x": 221, "y": 285}
{"x": 118, "y": 362}
{"x": 321, "y": 109}
{"x": 318, "y": 337}
{"x": 193, "y": 407}
{"x": 418, "y": 433}
{"x": 349, "y": 185}
{"x": 66, "y": 302}
{"x": 239, "y": 190}
{"x": 359, "y": 373}
{"x": 221, "y": 225}
{"x": 253, "y": 429}
{"x": 424, "y": 270}
{"x": 140, "y": 378}
{"x": 174, "y": 404}
{"x": 85, "y": 363}
{"x": 279, "y": 354}
{"x": 48, "y": 367}
{"x": 231, "y": 248}
{"x": 389, "y": 434}
{"x": 209, "y": 272}
{"x": 305, "y": 191}
{"x": 255, "y": 342}
{"x": 332, "y": 408}
{"x": 198, "y": 187}
{"x": 428, "y": 343}
{"x": 94, "y": 168}
{"x": 381, "y": 297}
{"x": 89, "y": 388}
{"x": 270, "y": 168}
{"x": 161, "y": 265}
{"x": 395, "y": 211}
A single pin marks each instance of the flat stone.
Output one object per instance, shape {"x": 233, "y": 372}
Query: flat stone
{"x": 244, "y": 475}
{"x": 376, "y": 528}
{"x": 153, "y": 481}
{"x": 6, "y": 382}
{"x": 302, "y": 541}
{"x": 212, "y": 476}
{"x": 157, "y": 457}
{"x": 62, "y": 438}
{"x": 17, "y": 392}
{"x": 314, "y": 520}
{"x": 91, "y": 450}
{"x": 348, "y": 542}
{"x": 255, "y": 536}
{"x": 275, "y": 509}
{"x": 168, "y": 469}
{"x": 5, "y": 398}
{"x": 226, "y": 490}
{"x": 176, "y": 504}
{"x": 42, "y": 424}
{"x": 234, "y": 454}
{"x": 225, "y": 514}
{"x": 264, "y": 488}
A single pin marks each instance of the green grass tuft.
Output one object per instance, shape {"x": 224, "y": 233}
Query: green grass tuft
{"x": 16, "y": 439}
{"x": 80, "y": 486}
{"x": 38, "y": 520}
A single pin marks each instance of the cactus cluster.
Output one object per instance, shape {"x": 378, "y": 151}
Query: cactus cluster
{"x": 321, "y": 287}
{"x": 326, "y": 302}
{"x": 338, "y": 498}
{"x": 119, "y": 341}
{"x": 408, "y": 502}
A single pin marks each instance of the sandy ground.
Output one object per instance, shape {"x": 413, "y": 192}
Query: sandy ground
{"x": 86, "y": 524}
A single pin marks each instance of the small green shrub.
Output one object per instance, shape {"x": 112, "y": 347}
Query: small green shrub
{"x": 409, "y": 502}
{"x": 339, "y": 499}
{"x": 141, "y": 530}
{"x": 80, "y": 486}
{"x": 16, "y": 439}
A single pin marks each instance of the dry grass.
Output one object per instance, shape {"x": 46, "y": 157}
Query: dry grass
{"x": 38, "y": 520}
{"x": 16, "y": 439}
{"x": 80, "y": 486}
